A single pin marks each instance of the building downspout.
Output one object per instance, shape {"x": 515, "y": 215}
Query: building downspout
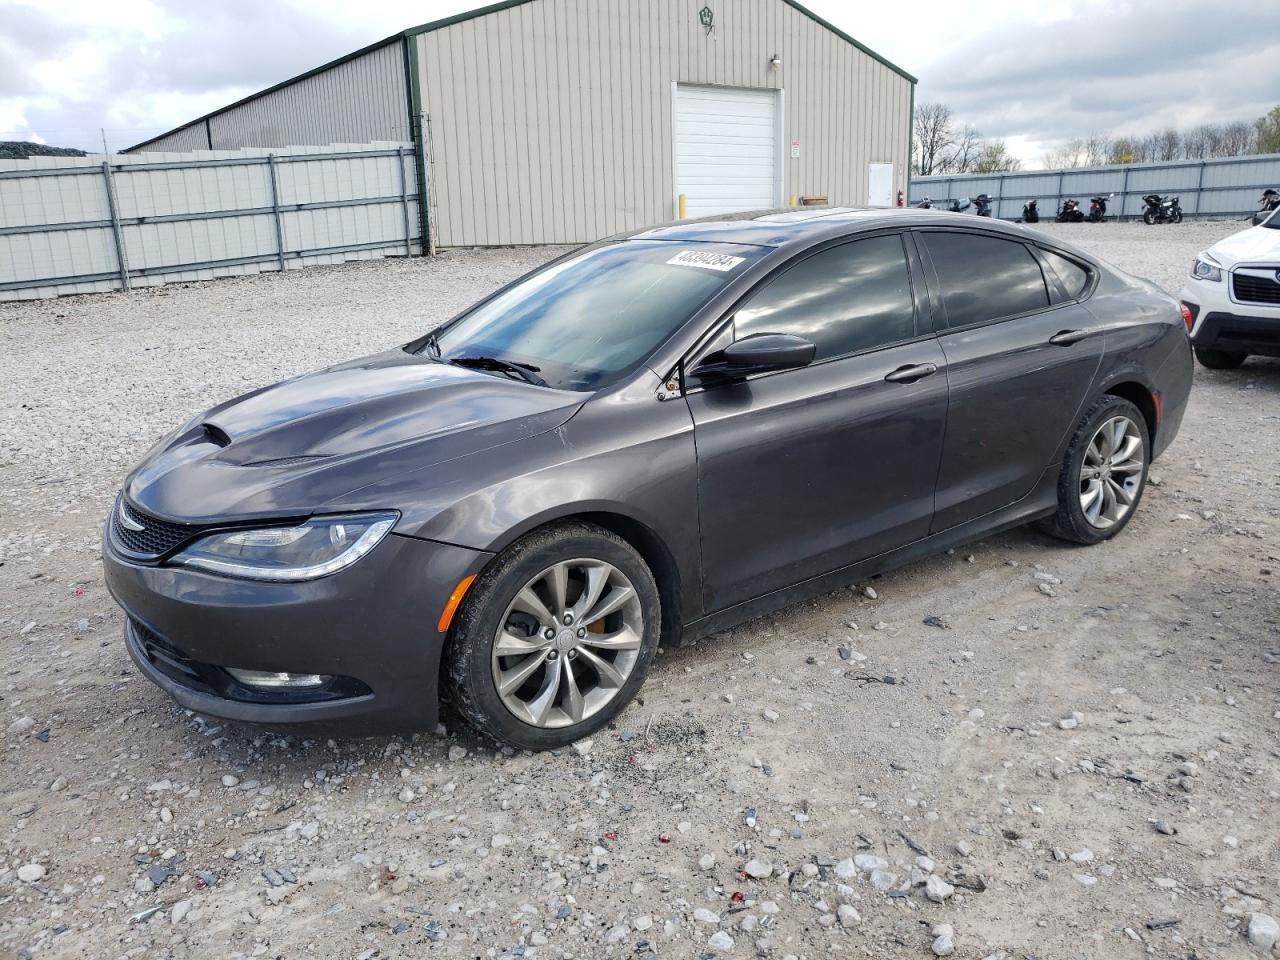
{"x": 911, "y": 145}
{"x": 417, "y": 133}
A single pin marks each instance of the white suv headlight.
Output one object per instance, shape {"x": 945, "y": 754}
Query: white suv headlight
{"x": 1205, "y": 268}
{"x": 314, "y": 549}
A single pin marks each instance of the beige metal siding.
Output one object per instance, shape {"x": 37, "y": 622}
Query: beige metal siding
{"x": 551, "y": 122}
{"x": 181, "y": 140}
{"x": 359, "y": 101}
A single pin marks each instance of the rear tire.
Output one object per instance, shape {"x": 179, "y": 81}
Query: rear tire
{"x": 1104, "y": 473}
{"x": 1149, "y": 218}
{"x": 567, "y": 672}
{"x": 1220, "y": 359}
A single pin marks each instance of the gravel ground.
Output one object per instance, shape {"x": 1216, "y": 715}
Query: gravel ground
{"x": 1083, "y": 757}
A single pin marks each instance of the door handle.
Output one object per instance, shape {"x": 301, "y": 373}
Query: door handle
{"x": 1064, "y": 338}
{"x": 911, "y": 373}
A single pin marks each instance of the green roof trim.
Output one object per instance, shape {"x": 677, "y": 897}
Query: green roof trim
{"x": 844, "y": 36}
{"x": 394, "y": 38}
{"x": 508, "y": 4}
{"x": 460, "y": 18}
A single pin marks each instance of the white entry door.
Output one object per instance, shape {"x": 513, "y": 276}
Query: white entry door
{"x": 880, "y": 185}
{"x": 726, "y": 149}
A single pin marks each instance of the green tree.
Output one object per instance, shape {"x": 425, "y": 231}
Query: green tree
{"x": 1269, "y": 132}
{"x": 996, "y": 158}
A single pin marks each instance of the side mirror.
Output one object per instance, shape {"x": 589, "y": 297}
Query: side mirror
{"x": 759, "y": 353}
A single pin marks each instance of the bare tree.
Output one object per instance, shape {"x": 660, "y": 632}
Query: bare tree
{"x": 1238, "y": 138}
{"x": 965, "y": 152}
{"x": 1168, "y": 144}
{"x": 1195, "y": 143}
{"x": 1214, "y": 140}
{"x": 1067, "y": 157}
{"x": 934, "y": 138}
{"x": 1096, "y": 149}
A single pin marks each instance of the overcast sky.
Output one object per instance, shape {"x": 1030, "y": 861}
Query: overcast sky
{"x": 1037, "y": 72}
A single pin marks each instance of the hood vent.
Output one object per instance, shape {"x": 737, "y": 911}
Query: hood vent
{"x": 215, "y": 434}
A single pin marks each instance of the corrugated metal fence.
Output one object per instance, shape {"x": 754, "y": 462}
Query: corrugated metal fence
{"x": 1207, "y": 188}
{"x": 88, "y": 224}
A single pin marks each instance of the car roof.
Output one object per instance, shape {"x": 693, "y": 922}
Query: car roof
{"x": 800, "y": 227}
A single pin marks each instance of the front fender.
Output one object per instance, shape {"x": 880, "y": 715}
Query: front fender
{"x": 628, "y": 456}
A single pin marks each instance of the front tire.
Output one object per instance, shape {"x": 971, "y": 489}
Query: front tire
{"x": 1104, "y": 473}
{"x": 1149, "y": 218}
{"x": 554, "y": 638}
{"x": 1219, "y": 359}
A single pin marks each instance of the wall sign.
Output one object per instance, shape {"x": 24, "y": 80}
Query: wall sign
{"x": 707, "y": 18}
{"x": 795, "y": 149}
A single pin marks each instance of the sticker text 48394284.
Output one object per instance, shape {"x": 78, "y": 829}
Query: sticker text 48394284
{"x": 708, "y": 261}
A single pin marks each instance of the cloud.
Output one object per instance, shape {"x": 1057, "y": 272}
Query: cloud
{"x": 1038, "y": 74}
{"x": 155, "y": 66}
{"x": 1131, "y": 68}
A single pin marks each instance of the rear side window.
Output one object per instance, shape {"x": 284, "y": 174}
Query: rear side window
{"x": 985, "y": 278}
{"x": 1075, "y": 278}
{"x": 852, "y": 297}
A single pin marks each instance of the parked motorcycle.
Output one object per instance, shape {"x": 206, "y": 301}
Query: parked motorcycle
{"x": 1269, "y": 203}
{"x": 1161, "y": 209}
{"x": 1070, "y": 212}
{"x": 1029, "y": 212}
{"x": 1098, "y": 208}
{"x": 984, "y": 203}
{"x": 953, "y": 206}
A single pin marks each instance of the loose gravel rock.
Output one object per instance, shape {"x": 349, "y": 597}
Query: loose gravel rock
{"x": 1161, "y": 641}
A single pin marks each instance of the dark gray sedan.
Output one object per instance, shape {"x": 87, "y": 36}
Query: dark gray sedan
{"x": 648, "y": 439}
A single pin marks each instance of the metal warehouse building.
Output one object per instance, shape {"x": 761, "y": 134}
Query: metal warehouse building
{"x": 562, "y": 121}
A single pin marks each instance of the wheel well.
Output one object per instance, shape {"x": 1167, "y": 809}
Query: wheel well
{"x": 1141, "y": 398}
{"x": 654, "y": 553}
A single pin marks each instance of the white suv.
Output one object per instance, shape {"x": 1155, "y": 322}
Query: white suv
{"x": 1234, "y": 297}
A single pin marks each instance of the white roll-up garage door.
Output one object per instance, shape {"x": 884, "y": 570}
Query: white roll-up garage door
{"x": 726, "y": 149}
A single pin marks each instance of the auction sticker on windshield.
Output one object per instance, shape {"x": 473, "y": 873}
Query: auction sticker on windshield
{"x": 708, "y": 261}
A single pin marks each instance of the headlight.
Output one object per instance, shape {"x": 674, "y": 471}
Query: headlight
{"x": 1206, "y": 269}
{"x": 313, "y": 549}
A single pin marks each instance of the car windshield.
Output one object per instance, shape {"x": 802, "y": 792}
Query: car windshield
{"x": 1273, "y": 221}
{"x": 589, "y": 320}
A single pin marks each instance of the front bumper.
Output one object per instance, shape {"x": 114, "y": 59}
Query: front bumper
{"x": 1237, "y": 333}
{"x": 373, "y": 625}
{"x": 1223, "y": 324}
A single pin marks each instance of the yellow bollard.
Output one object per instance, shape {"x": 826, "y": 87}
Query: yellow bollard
{"x": 680, "y": 207}
{"x": 791, "y": 201}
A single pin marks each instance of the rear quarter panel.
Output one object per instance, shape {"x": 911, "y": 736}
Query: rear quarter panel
{"x": 1146, "y": 343}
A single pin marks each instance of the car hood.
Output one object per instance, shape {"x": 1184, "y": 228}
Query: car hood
{"x": 1257, "y": 244}
{"x": 294, "y": 448}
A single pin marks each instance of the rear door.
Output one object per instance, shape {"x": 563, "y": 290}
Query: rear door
{"x": 804, "y": 471}
{"x": 1022, "y": 354}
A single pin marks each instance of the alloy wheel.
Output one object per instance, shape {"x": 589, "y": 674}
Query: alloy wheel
{"x": 1111, "y": 475}
{"x": 567, "y": 643}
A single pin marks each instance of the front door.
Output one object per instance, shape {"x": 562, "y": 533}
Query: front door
{"x": 803, "y": 471}
{"x": 1021, "y": 358}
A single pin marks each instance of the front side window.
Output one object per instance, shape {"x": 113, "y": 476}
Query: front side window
{"x": 985, "y": 278}
{"x": 853, "y": 297}
{"x": 593, "y": 318}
